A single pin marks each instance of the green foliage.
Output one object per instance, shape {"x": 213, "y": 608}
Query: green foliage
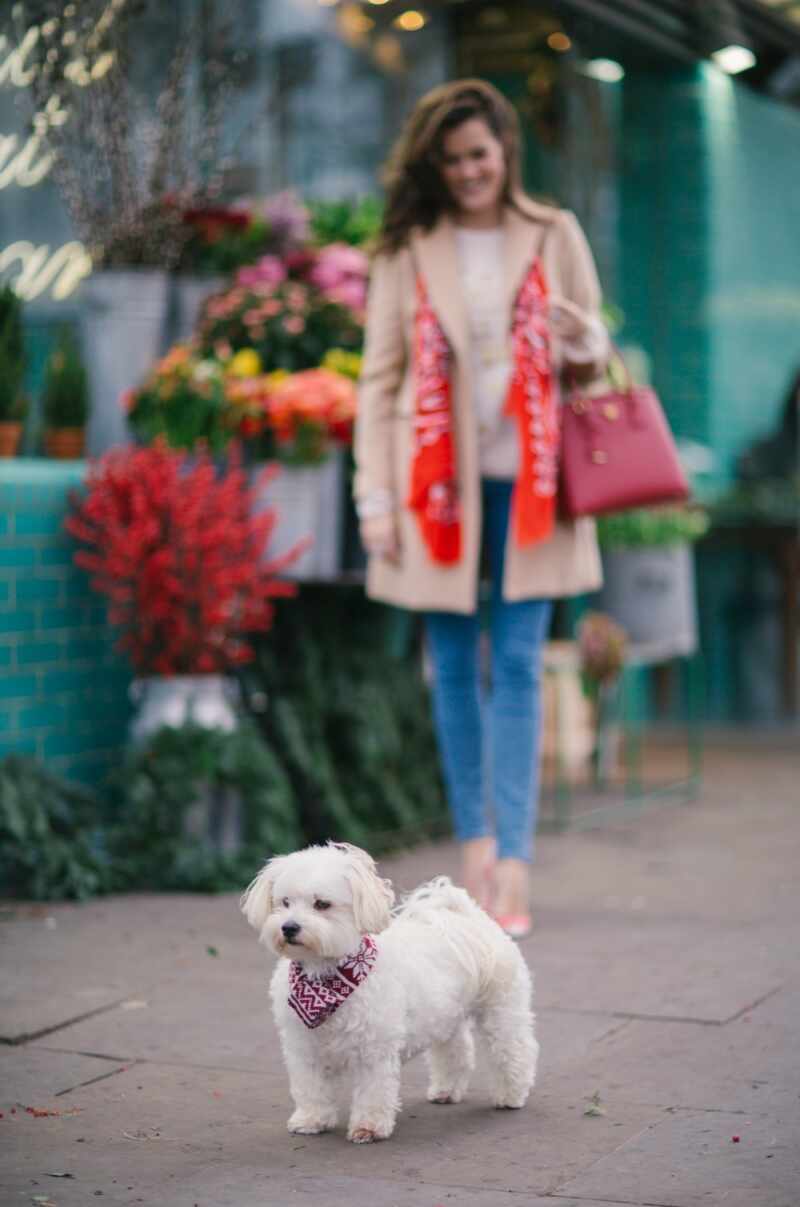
{"x": 230, "y": 249}
{"x": 355, "y": 222}
{"x": 65, "y": 399}
{"x": 346, "y": 751}
{"x": 51, "y": 843}
{"x": 160, "y": 782}
{"x": 768, "y": 501}
{"x": 349, "y": 721}
{"x": 12, "y": 357}
{"x": 647, "y": 527}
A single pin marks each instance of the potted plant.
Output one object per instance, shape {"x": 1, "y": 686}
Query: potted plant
{"x": 221, "y": 240}
{"x": 178, "y": 551}
{"x": 648, "y": 573}
{"x": 130, "y": 157}
{"x": 13, "y": 404}
{"x": 65, "y": 400}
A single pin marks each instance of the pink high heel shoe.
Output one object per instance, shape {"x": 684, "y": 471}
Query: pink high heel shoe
{"x": 516, "y": 926}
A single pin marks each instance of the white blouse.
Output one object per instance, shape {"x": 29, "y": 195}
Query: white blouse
{"x": 584, "y": 340}
{"x": 480, "y": 260}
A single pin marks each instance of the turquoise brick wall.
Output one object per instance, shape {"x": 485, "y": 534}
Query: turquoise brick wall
{"x": 664, "y": 251}
{"x": 63, "y": 690}
{"x": 754, "y": 288}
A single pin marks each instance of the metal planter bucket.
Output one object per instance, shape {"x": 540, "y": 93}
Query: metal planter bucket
{"x": 651, "y": 593}
{"x": 123, "y": 322}
{"x": 308, "y": 502}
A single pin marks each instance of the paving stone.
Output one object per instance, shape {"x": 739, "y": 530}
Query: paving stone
{"x": 692, "y": 1160}
{"x": 33, "y": 1077}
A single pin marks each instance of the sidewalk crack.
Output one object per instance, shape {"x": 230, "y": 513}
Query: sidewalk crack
{"x": 15, "y": 1041}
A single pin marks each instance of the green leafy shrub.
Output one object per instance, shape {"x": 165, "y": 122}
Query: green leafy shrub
{"x": 646, "y": 527}
{"x": 65, "y": 398}
{"x": 160, "y": 782}
{"x": 349, "y": 721}
{"x": 12, "y": 357}
{"x": 354, "y": 222}
{"x": 51, "y": 839}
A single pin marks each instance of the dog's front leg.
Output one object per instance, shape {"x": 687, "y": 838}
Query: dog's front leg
{"x": 376, "y": 1100}
{"x": 313, "y": 1094}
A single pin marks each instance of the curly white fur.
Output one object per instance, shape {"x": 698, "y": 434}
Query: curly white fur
{"x": 443, "y": 967}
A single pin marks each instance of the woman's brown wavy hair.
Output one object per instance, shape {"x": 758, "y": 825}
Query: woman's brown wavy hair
{"x": 415, "y": 192}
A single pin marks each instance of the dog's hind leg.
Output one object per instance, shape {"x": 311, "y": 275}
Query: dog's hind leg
{"x": 450, "y": 1065}
{"x": 506, "y": 1023}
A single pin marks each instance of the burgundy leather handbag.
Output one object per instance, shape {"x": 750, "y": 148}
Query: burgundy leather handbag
{"x": 617, "y": 452}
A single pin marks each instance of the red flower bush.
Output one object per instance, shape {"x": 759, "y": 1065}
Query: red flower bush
{"x": 177, "y": 550}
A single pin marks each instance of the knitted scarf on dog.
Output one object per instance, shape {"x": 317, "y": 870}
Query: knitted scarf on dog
{"x": 531, "y": 401}
{"x": 314, "y": 999}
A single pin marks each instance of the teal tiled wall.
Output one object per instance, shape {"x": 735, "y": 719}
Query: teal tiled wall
{"x": 664, "y": 249}
{"x": 754, "y": 288}
{"x": 63, "y": 690}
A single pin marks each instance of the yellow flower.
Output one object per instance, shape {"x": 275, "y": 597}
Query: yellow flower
{"x": 246, "y": 363}
{"x": 277, "y": 376}
{"x": 339, "y": 360}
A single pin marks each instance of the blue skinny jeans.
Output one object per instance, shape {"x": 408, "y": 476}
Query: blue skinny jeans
{"x": 489, "y": 734}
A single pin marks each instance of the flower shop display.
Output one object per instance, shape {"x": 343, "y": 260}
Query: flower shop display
{"x": 288, "y": 317}
{"x": 129, "y": 158}
{"x": 190, "y": 398}
{"x": 65, "y": 399}
{"x": 223, "y": 239}
{"x": 178, "y": 551}
{"x": 13, "y": 404}
{"x": 648, "y": 573}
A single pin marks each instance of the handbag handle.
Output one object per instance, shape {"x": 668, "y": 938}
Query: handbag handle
{"x": 628, "y": 385}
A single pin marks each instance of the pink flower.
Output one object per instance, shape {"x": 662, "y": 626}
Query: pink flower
{"x": 340, "y": 272}
{"x": 294, "y": 324}
{"x": 269, "y": 270}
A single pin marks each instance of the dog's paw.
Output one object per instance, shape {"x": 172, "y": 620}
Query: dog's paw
{"x": 367, "y": 1134}
{"x": 444, "y": 1097}
{"x": 510, "y": 1104}
{"x": 303, "y": 1124}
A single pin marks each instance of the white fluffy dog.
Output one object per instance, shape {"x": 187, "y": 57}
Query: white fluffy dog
{"x": 349, "y": 1004}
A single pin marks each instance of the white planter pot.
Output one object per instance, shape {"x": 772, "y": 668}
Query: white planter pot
{"x": 188, "y": 295}
{"x": 123, "y": 324}
{"x": 308, "y": 502}
{"x": 651, "y": 593}
{"x": 176, "y": 700}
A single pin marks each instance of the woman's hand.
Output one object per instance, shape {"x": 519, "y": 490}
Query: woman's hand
{"x": 567, "y": 319}
{"x": 380, "y": 537}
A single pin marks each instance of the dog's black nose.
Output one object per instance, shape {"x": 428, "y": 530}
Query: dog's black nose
{"x": 290, "y": 930}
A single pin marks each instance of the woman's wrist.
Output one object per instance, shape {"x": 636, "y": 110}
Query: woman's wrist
{"x": 376, "y": 503}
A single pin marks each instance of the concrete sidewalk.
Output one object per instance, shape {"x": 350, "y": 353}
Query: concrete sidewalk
{"x": 140, "y": 1063}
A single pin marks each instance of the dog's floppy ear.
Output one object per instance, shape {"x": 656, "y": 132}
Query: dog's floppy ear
{"x": 256, "y": 901}
{"x": 372, "y": 897}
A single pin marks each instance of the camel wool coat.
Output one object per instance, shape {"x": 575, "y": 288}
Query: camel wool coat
{"x": 566, "y": 564}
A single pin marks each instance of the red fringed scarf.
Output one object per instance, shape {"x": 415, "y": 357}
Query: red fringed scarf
{"x": 314, "y": 999}
{"x": 531, "y": 400}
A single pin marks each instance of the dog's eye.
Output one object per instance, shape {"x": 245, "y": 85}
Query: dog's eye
{"x": 285, "y": 903}
{"x": 322, "y": 905}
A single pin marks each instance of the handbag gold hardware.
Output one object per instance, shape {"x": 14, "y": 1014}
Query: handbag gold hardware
{"x": 611, "y": 411}
{"x": 599, "y": 457}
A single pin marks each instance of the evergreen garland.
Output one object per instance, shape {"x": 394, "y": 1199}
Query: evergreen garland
{"x": 349, "y": 721}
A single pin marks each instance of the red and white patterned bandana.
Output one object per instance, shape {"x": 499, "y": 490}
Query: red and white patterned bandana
{"x": 314, "y": 999}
